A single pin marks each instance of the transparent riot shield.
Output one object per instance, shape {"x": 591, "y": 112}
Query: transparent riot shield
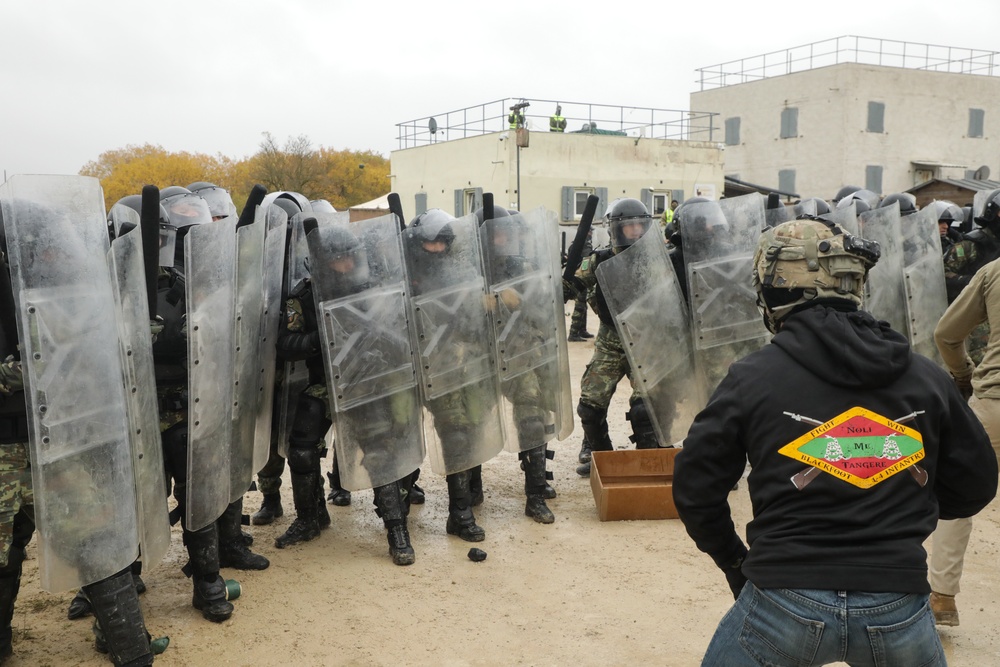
{"x": 719, "y": 240}
{"x": 885, "y": 296}
{"x": 846, "y": 218}
{"x": 456, "y": 365}
{"x": 923, "y": 280}
{"x": 295, "y": 374}
{"x": 776, "y": 216}
{"x": 360, "y": 291}
{"x": 979, "y": 203}
{"x": 81, "y": 463}
{"x": 210, "y": 269}
{"x": 248, "y": 308}
{"x": 275, "y": 222}
{"x": 526, "y": 310}
{"x": 647, "y": 304}
{"x": 126, "y": 261}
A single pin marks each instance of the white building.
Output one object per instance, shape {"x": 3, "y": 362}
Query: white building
{"x": 450, "y": 160}
{"x": 879, "y": 114}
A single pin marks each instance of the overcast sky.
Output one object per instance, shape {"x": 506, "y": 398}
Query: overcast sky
{"x": 80, "y": 78}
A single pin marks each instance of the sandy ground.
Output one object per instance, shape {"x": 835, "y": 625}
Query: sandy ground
{"x": 577, "y": 592}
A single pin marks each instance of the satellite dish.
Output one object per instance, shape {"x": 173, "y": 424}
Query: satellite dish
{"x": 983, "y": 173}
{"x": 432, "y": 125}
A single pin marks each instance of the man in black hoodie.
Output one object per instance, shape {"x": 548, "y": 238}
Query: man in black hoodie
{"x": 857, "y": 446}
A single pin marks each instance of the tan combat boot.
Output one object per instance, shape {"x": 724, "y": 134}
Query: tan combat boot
{"x": 945, "y": 611}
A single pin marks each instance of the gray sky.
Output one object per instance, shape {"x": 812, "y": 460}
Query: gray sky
{"x": 80, "y": 78}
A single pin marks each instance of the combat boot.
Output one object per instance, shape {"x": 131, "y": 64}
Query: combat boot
{"x": 415, "y": 494}
{"x": 461, "y": 520}
{"x": 533, "y": 461}
{"x": 233, "y": 551}
{"x": 322, "y": 514}
{"x": 79, "y": 606}
{"x": 944, "y": 608}
{"x": 118, "y": 624}
{"x": 584, "y": 455}
{"x": 270, "y": 509}
{"x": 603, "y": 445}
{"x": 338, "y": 495}
{"x": 203, "y": 567}
{"x": 305, "y": 527}
{"x": 476, "y": 485}
{"x": 389, "y": 506}
{"x": 10, "y": 583}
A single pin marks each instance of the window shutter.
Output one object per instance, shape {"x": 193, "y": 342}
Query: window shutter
{"x": 789, "y": 123}
{"x": 873, "y": 179}
{"x": 976, "y": 122}
{"x": 786, "y": 180}
{"x": 876, "y": 117}
{"x": 459, "y": 203}
{"x": 568, "y": 203}
{"x": 733, "y": 131}
{"x": 646, "y": 197}
{"x": 602, "y": 206}
{"x": 419, "y": 203}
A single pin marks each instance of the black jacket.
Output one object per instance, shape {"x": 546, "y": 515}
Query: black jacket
{"x": 831, "y": 534}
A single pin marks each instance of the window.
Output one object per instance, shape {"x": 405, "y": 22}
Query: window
{"x": 873, "y": 178}
{"x": 574, "y": 201}
{"x": 786, "y": 180}
{"x": 789, "y": 123}
{"x": 876, "y": 117}
{"x": 660, "y": 201}
{"x": 468, "y": 200}
{"x": 733, "y": 131}
{"x": 976, "y": 118}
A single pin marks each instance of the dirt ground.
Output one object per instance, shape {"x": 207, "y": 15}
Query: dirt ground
{"x": 577, "y": 592}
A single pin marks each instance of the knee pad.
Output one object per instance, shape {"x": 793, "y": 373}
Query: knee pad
{"x": 531, "y": 431}
{"x": 311, "y": 423}
{"x": 591, "y": 416}
{"x": 643, "y": 433}
{"x": 303, "y": 458}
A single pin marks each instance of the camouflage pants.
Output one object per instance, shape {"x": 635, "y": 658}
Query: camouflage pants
{"x": 578, "y": 323}
{"x": 15, "y": 493}
{"x": 606, "y": 369}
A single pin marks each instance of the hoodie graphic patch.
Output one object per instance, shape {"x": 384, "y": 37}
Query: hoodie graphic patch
{"x": 860, "y": 447}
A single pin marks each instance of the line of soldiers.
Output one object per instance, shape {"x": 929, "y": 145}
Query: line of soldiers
{"x": 175, "y": 347}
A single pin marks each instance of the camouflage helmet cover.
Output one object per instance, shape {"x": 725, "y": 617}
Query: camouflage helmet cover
{"x": 812, "y": 255}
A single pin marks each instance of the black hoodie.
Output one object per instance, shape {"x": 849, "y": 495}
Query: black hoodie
{"x": 860, "y": 519}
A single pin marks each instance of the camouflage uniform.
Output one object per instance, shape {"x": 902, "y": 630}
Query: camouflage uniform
{"x": 961, "y": 261}
{"x": 578, "y": 323}
{"x": 16, "y": 498}
{"x": 606, "y": 369}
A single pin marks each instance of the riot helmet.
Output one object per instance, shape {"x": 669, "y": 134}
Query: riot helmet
{"x": 907, "y": 202}
{"x": 347, "y": 260}
{"x": 863, "y": 200}
{"x": 700, "y": 216}
{"x": 991, "y": 211}
{"x": 845, "y": 191}
{"x": 948, "y": 213}
{"x": 184, "y": 209}
{"x": 432, "y": 232}
{"x": 627, "y": 220}
{"x": 322, "y": 206}
{"x": 220, "y": 203}
{"x": 813, "y": 206}
{"x": 506, "y": 233}
{"x": 804, "y": 260}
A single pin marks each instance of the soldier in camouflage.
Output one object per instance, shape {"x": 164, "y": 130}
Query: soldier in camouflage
{"x": 578, "y": 323}
{"x": 628, "y": 220}
{"x": 976, "y": 249}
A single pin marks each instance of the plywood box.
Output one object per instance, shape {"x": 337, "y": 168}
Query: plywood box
{"x": 634, "y": 484}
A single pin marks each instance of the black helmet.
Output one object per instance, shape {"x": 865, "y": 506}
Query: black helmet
{"x": 220, "y": 203}
{"x": 844, "y": 192}
{"x": 814, "y": 206}
{"x": 322, "y": 206}
{"x": 342, "y": 245}
{"x": 701, "y": 214}
{"x": 287, "y": 205}
{"x": 907, "y": 202}
{"x": 433, "y": 225}
{"x": 948, "y": 213}
{"x": 172, "y": 191}
{"x": 623, "y": 214}
{"x": 863, "y": 200}
{"x": 991, "y": 211}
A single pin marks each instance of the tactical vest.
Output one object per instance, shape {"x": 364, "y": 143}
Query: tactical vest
{"x": 170, "y": 348}
{"x": 596, "y": 300}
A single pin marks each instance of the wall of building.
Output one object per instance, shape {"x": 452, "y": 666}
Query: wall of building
{"x": 926, "y": 118}
{"x": 552, "y": 161}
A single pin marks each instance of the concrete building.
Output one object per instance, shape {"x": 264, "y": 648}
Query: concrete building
{"x": 448, "y": 161}
{"x": 880, "y": 114}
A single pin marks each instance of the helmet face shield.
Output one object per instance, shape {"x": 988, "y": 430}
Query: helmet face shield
{"x": 627, "y": 221}
{"x": 185, "y": 210}
{"x": 168, "y": 243}
{"x": 220, "y": 204}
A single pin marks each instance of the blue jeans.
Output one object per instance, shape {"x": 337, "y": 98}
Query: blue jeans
{"x": 799, "y": 628}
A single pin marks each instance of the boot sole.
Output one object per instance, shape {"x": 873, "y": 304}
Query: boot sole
{"x": 541, "y": 518}
{"x": 474, "y": 537}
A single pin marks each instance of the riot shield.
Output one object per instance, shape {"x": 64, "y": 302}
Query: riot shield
{"x": 275, "y": 222}
{"x": 295, "y": 374}
{"x": 647, "y": 304}
{"x": 923, "y": 280}
{"x": 81, "y": 464}
{"x": 719, "y": 240}
{"x": 248, "y": 308}
{"x": 456, "y": 366}
{"x": 885, "y": 296}
{"x": 520, "y": 260}
{"x": 979, "y": 203}
{"x": 210, "y": 268}
{"x": 126, "y": 261}
{"x": 845, "y": 218}
{"x": 360, "y": 291}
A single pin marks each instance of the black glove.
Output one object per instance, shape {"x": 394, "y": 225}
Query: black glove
{"x": 964, "y": 385}
{"x": 735, "y": 578}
